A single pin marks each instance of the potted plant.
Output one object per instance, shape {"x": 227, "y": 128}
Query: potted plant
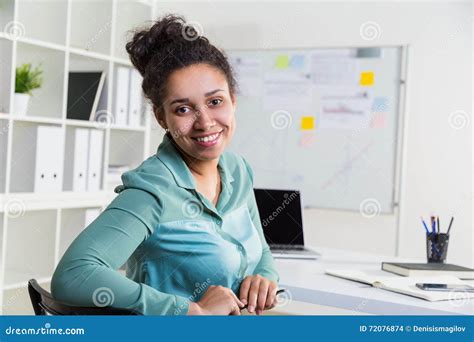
{"x": 26, "y": 80}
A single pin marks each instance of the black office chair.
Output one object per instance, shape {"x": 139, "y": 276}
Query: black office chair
{"x": 45, "y": 305}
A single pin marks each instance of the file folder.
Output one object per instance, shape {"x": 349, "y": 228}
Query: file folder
{"x": 135, "y": 99}
{"x": 77, "y": 150}
{"x": 49, "y": 159}
{"x": 121, "y": 95}
{"x": 96, "y": 144}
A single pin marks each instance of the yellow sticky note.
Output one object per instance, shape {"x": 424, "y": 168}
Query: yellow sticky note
{"x": 367, "y": 78}
{"x": 282, "y": 62}
{"x": 307, "y": 122}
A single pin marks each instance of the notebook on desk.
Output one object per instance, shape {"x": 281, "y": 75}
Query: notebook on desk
{"x": 406, "y": 285}
{"x": 428, "y": 269}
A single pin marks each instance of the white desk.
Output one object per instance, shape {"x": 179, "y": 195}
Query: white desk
{"x": 314, "y": 293}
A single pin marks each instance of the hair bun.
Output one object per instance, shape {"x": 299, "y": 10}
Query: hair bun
{"x": 170, "y": 28}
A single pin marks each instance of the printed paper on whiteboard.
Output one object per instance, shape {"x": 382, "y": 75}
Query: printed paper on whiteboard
{"x": 334, "y": 70}
{"x": 248, "y": 72}
{"x": 288, "y": 91}
{"x": 345, "y": 108}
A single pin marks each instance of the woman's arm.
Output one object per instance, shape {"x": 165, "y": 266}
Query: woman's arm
{"x": 266, "y": 266}
{"x": 87, "y": 273}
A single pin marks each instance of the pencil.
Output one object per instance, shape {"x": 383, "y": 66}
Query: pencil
{"x": 450, "y": 223}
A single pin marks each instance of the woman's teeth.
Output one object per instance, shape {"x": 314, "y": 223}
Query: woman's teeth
{"x": 208, "y": 138}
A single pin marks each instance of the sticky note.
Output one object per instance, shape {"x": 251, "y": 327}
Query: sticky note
{"x": 297, "y": 61}
{"x": 307, "y": 122}
{"x": 378, "y": 120}
{"x": 282, "y": 62}
{"x": 367, "y": 78}
{"x": 380, "y": 104}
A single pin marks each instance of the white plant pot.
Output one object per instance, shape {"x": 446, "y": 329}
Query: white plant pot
{"x": 20, "y": 103}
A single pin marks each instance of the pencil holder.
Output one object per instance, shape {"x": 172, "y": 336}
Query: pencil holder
{"x": 437, "y": 247}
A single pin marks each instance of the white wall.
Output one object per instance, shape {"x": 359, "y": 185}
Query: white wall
{"x": 437, "y": 167}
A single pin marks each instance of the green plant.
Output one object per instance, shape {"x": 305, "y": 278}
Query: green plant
{"x": 27, "y": 79}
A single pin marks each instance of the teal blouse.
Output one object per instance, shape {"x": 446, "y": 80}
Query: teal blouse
{"x": 174, "y": 241}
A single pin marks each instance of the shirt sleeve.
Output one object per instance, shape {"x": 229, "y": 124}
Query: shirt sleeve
{"x": 266, "y": 266}
{"x": 87, "y": 273}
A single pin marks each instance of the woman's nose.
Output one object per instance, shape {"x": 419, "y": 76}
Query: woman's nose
{"x": 203, "y": 121}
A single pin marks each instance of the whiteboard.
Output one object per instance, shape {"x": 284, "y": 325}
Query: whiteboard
{"x": 322, "y": 121}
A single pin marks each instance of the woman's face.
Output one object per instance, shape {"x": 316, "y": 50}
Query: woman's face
{"x": 199, "y": 111}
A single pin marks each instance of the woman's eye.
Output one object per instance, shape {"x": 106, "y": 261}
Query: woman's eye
{"x": 182, "y": 110}
{"x": 215, "y": 102}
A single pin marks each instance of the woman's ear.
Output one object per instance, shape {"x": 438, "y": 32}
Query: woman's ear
{"x": 159, "y": 116}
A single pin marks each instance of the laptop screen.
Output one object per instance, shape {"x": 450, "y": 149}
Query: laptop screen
{"x": 280, "y": 213}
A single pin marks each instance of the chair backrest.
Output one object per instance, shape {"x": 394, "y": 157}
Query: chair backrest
{"x": 44, "y": 304}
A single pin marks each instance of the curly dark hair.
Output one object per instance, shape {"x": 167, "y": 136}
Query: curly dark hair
{"x": 168, "y": 45}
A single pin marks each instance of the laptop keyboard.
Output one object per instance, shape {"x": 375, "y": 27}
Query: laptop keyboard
{"x": 287, "y": 247}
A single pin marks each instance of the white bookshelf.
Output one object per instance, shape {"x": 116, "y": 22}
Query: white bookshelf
{"x": 69, "y": 35}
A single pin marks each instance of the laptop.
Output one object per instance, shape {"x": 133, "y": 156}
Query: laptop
{"x": 282, "y": 223}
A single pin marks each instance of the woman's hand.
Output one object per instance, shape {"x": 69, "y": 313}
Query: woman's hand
{"x": 218, "y": 300}
{"x": 259, "y": 293}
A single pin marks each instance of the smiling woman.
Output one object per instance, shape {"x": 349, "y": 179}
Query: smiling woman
{"x": 185, "y": 221}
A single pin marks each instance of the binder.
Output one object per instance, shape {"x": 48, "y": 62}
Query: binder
{"x": 96, "y": 143}
{"x": 122, "y": 86}
{"x": 135, "y": 99}
{"x": 49, "y": 159}
{"x": 81, "y": 150}
{"x": 75, "y": 167}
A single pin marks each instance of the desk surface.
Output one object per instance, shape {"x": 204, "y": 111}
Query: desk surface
{"x": 311, "y": 292}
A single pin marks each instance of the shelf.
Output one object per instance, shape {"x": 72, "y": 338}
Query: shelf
{"x": 46, "y": 101}
{"x": 34, "y": 232}
{"x": 33, "y": 119}
{"x": 130, "y": 14}
{"x": 49, "y": 26}
{"x": 62, "y": 200}
{"x": 91, "y": 32}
